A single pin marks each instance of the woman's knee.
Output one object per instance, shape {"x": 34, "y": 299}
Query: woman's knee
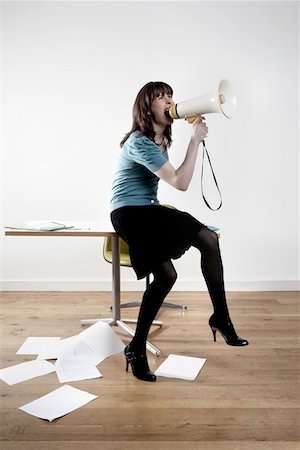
{"x": 172, "y": 276}
{"x": 207, "y": 240}
{"x": 166, "y": 274}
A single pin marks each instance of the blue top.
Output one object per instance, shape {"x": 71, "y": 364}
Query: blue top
{"x": 135, "y": 183}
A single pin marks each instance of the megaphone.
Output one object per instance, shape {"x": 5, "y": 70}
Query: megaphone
{"x": 224, "y": 101}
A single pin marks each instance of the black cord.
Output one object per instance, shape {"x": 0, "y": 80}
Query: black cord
{"x": 205, "y": 152}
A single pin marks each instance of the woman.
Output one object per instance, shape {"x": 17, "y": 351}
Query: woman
{"x": 156, "y": 234}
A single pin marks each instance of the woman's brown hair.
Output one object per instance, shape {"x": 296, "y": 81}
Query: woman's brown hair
{"x": 141, "y": 113}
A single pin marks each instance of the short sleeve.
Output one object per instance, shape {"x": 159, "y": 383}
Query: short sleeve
{"x": 144, "y": 151}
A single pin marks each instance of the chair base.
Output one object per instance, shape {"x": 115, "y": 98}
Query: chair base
{"x": 125, "y": 327}
{"x": 138, "y": 303}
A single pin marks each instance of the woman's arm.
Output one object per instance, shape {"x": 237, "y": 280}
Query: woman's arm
{"x": 180, "y": 178}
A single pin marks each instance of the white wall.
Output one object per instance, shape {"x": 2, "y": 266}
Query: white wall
{"x": 71, "y": 71}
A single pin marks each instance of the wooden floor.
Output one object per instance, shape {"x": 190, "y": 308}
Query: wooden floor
{"x": 244, "y": 398}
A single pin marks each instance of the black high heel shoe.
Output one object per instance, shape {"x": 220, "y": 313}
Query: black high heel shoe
{"x": 225, "y": 327}
{"x": 139, "y": 365}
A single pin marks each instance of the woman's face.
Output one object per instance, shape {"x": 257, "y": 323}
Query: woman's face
{"x": 159, "y": 106}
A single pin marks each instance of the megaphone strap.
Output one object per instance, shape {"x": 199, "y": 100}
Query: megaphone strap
{"x": 205, "y": 152}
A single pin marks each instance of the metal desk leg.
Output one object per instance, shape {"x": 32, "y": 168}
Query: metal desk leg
{"x": 116, "y": 279}
{"x": 116, "y": 285}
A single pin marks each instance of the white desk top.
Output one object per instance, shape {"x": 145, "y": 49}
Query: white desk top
{"x": 81, "y": 228}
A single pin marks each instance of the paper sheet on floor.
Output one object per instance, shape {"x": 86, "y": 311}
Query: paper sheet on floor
{"x": 55, "y": 350}
{"x": 85, "y": 351}
{"x": 178, "y": 366}
{"x": 44, "y": 347}
{"x": 71, "y": 371}
{"x": 93, "y": 345}
{"x": 58, "y": 403}
{"x": 102, "y": 340}
{"x": 36, "y": 345}
{"x": 25, "y": 371}
{"x": 78, "y": 362}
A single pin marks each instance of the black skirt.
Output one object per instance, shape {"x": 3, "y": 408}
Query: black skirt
{"x": 154, "y": 234}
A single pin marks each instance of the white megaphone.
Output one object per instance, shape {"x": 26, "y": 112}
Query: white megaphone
{"x": 224, "y": 101}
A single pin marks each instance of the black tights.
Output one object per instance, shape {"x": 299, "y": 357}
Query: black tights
{"x": 207, "y": 242}
{"x": 165, "y": 276}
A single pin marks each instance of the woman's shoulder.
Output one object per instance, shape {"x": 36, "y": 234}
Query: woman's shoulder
{"x": 140, "y": 139}
{"x": 143, "y": 145}
{"x": 136, "y": 136}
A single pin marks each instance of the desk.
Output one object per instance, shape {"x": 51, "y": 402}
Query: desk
{"x": 95, "y": 229}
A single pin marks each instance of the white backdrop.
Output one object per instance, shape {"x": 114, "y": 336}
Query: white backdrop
{"x": 71, "y": 71}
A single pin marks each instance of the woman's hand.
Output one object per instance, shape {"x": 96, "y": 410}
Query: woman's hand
{"x": 180, "y": 178}
{"x": 199, "y": 130}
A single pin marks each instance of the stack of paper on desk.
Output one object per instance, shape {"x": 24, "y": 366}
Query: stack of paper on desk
{"x": 40, "y": 225}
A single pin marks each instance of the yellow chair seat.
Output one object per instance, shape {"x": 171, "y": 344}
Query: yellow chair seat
{"x": 124, "y": 252}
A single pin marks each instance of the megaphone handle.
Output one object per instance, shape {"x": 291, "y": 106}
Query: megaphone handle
{"x": 214, "y": 177}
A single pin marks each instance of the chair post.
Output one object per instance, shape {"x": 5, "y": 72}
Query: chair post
{"x": 116, "y": 278}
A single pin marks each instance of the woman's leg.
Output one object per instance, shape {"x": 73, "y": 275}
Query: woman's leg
{"x": 212, "y": 268}
{"x": 207, "y": 242}
{"x": 135, "y": 353}
{"x": 164, "y": 278}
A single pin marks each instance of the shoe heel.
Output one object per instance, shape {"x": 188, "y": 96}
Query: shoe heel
{"x": 214, "y": 332}
{"x": 127, "y": 359}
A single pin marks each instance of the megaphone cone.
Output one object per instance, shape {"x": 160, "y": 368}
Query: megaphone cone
{"x": 224, "y": 101}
